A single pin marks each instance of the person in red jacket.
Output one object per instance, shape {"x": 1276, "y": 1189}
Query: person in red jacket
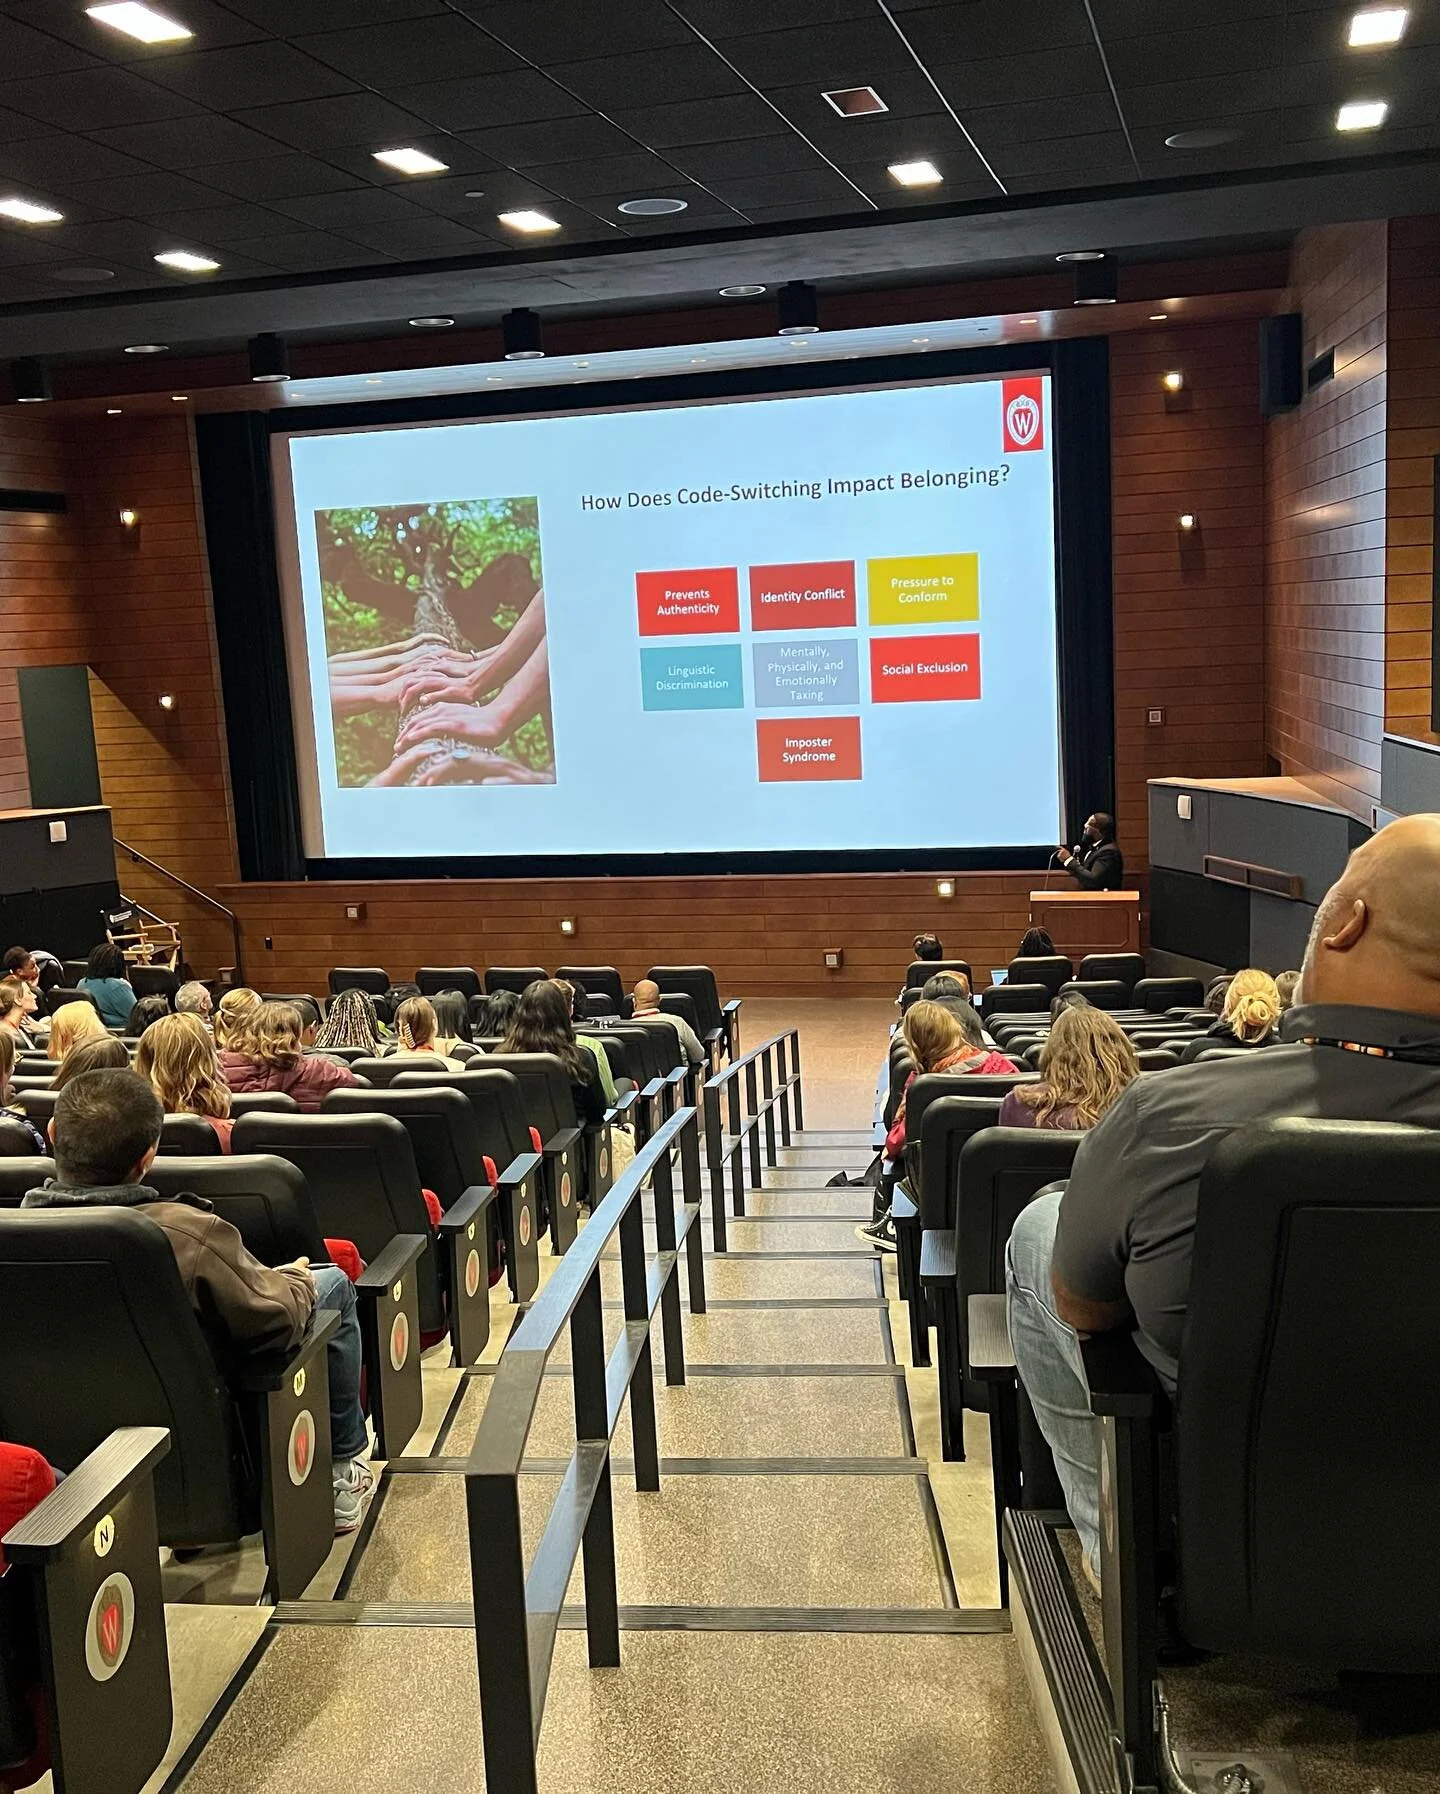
{"x": 271, "y": 1056}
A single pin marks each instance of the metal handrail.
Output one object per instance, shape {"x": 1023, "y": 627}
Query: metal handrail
{"x": 778, "y": 1061}
{"x": 183, "y": 884}
{"x": 517, "y": 1616}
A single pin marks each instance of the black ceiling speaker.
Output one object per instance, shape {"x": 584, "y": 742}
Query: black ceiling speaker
{"x": 269, "y": 357}
{"x": 522, "y": 334}
{"x": 1282, "y": 363}
{"x": 31, "y": 379}
{"x": 1097, "y": 283}
{"x": 798, "y": 308}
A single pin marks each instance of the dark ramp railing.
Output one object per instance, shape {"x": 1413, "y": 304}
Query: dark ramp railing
{"x": 517, "y": 1616}
{"x": 752, "y": 1090}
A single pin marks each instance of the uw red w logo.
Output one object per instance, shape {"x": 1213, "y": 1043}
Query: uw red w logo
{"x": 110, "y": 1627}
{"x": 1024, "y": 417}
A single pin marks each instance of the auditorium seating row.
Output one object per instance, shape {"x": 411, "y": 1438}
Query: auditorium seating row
{"x": 1052, "y": 972}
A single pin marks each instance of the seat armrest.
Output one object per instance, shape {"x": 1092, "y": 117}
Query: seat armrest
{"x": 561, "y": 1140}
{"x": 902, "y": 1208}
{"x": 653, "y": 1089}
{"x": 623, "y": 1104}
{"x": 523, "y": 1165}
{"x": 391, "y": 1263}
{"x": 1122, "y": 1383}
{"x": 95, "y": 1486}
{"x": 988, "y": 1352}
{"x": 732, "y": 1007}
{"x": 274, "y": 1369}
{"x": 712, "y": 1034}
{"x": 466, "y": 1206}
{"x": 937, "y": 1255}
{"x": 678, "y": 1076}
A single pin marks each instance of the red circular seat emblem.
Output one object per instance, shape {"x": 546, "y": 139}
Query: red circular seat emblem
{"x": 564, "y": 1189}
{"x": 525, "y": 1224}
{"x": 399, "y": 1341}
{"x": 472, "y": 1272}
{"x": 300, "y": 1455}
{"x": 110, "y": 1626}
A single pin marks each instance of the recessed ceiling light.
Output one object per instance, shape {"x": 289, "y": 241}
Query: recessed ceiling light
{"x": 1029, "y": 320}
{"x": 741, "y": 292}
{"x": 1206, "y": 137}
{"x": 184, "y": 262}
{"x": 410, "y": 161}
{"x": 147, "y": 348}
{"x": 81, "y": 275}
{"x": 142, "y": 22}
{"x": 915, "y": 174}
{"x": 1376, "y": 26}
{"x": 27, "y": 212}
{"x": 1361, "y": 115}
{"x": 651, "y": 208}
{"x": 527, "y": 220}
{"x": 474, "y": 193}
{"x": 430, "y": 323}
{"x": 855, "y": 102}
{"x": 1081, "y": 255}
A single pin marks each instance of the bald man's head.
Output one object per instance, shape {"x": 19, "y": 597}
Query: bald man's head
{"x": 1376, "y": 938}
{"x": 647, "y": 994}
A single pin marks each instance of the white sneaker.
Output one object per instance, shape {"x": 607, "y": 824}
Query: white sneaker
{"x": 353, "y": 1482}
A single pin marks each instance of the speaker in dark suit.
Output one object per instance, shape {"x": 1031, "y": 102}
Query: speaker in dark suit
{"x": 1096, "y": 864}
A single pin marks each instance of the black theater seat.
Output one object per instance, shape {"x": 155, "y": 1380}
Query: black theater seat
{"x": 1016, "y": 999}
{"x": 698, "y": 983}
{"x": 433, "y": 979}
{"x": 597, "y": 981}
{"x": 516, "y": 978}
{"x": 190, "y": 1136}
{"x": 1127, "y": 968}
{"x": 1099, "y": 993}
{"x": 1051, "y": 970}
{"x": 550, "y": 1108}
{"x": 374, "y": 979}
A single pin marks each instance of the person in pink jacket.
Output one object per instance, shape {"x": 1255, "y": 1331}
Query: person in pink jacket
{"x": 270, "y": 1055}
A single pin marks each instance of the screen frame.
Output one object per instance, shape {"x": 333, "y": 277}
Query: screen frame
{"x": 1080, "y": 418}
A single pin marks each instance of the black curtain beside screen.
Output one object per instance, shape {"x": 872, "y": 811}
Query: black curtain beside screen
{"x": 234, "y": 455}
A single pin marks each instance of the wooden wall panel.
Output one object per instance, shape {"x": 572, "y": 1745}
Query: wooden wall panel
{"x": 1189, "y": 609}
{"x": 762, "y": 936}
{"x": 1412, "y": 444}
{"x": 1325, "y": 482}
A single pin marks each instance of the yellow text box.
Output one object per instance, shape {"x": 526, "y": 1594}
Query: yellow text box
{"x": 925, "y": 588}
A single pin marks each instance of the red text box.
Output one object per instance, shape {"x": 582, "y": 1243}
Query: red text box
{"x": 803, "y": 595}
{"x": 689, "y": 601}
{"x": 819, "y": 747}
{"x": 919, "y": 669}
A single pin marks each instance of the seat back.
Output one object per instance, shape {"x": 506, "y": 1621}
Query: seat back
{"x": 385, "y": 1071}
{"x": 153, "y": 981}
{"x": 1099, "y": 993}
{"x": 433, "y": 979}
{"x": 1000, "y": 1170}
{"x": 947, "y": 1120}
{"x": 261, "y": 1101}
{"x": 1308, "y": 1410}
{"x": 1159, "y": 994}
{"x": 374, "y": 979}
{"x": 515, "y": 978}
{"x": 1016, "y": 999}
{"x": 681, "y": 1003}
{"x": 1157, "y": 1058}
{"x": 263, "y": 1197}
{"x": 39, "y": 1105}
{"x": 440, "y": 1121}
{"x": 665, "y": 1046}
{"x": 346, "y": 1054}
{"x": 308, "y": 1006}
{"x": 190, "y": 1136}
{"x": 68, "y": 993}
{"x": 22, "y": 1172}
{"x": 497, "y": 1103}
{"x": 100, "y": 1334}
{"x": 698, "y": 983}
{"x": 73, "y": 970}
{"x": 1206, "y": 1046}
{"x": 363, "y": 1184}
{"x": 1126, "y": 968}
{"x": 1050, "y": 969}
{"x": 624, "y": 1055}
{"x": 545, "y": 1089}
{"x": 596, "y": 981}
{"x": 919, "y": 972}
{"x": 16, "y": 1140}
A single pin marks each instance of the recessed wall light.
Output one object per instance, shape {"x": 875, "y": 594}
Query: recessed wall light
{"x": 269, "y": 358}
{"x": 651, "y": 208}
{"x": 1375, "y": 27}
{"x": 522, "y": 335}
{"x": 797, "y": 309}
{"x": 531, "y": 222}
{"x": 1174, "y": 381}
{"x": 567, "y": 925}
{"x": 1362, "y": 115}
{"x": 129, "y": 518}
{"x": 1029, "y": 320}
{"x": 944, "y": 887}
{"x": 140, "y": 22}
{"x": 31, "y": 379}
{"x": 430, "y": 323}
{"x": 184, "y": 261}
{"x": 748, "y": 291}
{"x": 915, "y": 174}
{"x": 146, "y": 348}
{"x": 855, "y": 102}
{"x": 112, "y": 411}
{"x": 25, "y": 211}
{"x": 179, "y": 398}
{"x": 1097, "y": 282}
{"x": 1159, "y": 317}
{"x": 1187, "y": 520}
{"x": 166, "y": 700}
{"x": 1081, "y": 255}
{"x": 410, "y": 161}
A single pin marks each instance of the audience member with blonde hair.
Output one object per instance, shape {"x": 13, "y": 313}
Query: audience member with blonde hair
{"x": 100, "y": 1052}
{"x": 237, "y": 1008}
{"x": 177, "y": 1055}
{"x": 1252, "y": 1011}
{"x": 1086, "y": 1061}
{"x": 70, "y": 1023}
{"x": 271, "y": 1055}
{"x": 18, "y": 1006}
{"x": 416, "y": 1030}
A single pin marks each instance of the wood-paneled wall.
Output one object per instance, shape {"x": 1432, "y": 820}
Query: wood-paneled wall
{"x": 1412, "y": 443}
{"x": 1325, "y": 479}
{"x": 761, "y": 935}
{"x": 1188, "y": 607}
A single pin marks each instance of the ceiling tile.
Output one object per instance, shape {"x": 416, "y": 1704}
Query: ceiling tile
{"x": 849, "y": 53}
{"x": 213, "y": 23}
{"x": 248, "y": 75}
{"x": 1119, "y": 19}
{"x": 278, "y": 177}
{"x": 1242, "y": 47}
{"x": 788, "y": 189}
{"x": 92, "y": 99}
{"x": 15, "y": 127}
{"x": 688, "y": 72}
{"x": 306, "y": 251}
{"x": 719, "y": 120}
{"x": 25, "y": 52}
{"x": 500, "y": 190}
{"x": 420, "y": 237}
{"x": 1037, "y": 120}
{"x": 1211, "y": 100}
{"x": 358, "y": 205}
{"x": 342, "y": 120}
{"x": 545, "y": 31}
{"x": 191, "y": 142}
{"x": 631, "y": 176}
{"x": 518, "y": 98}
{"x": 147, "y": 195}
{"x": 290, "y": 17}
{"x": 62, "y": 160}
{"x": 893, "y": 139}
{"x": 392, "y": 55}
{"x": 739, "y": 18}
{"x": 224, "y": 224}
{"x": 1037, "y": 75}
{"x": 554, "y": 140}
{"x": 1103, "y": 152}
{"x": 126, "y": 238}
{"x": 713, "y": 162}
{"x": 447, "y": 194}
{"x": 983, "y": 28}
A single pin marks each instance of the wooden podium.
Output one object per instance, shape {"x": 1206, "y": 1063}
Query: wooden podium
{"x": 1081, "y": 922}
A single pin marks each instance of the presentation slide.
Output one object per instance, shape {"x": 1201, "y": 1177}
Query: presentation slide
{"x": 822, "y": 622}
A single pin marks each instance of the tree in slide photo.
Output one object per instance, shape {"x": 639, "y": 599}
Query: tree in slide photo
{"x": 435, "y": 641}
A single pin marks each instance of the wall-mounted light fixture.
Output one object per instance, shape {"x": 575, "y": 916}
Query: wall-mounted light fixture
{"x": 166, "y": 700}
{"x": 522, "y": 334}
{"x": 1174, "y": 381}
{"x": 1187, "y": 520}
{"x": 944, "y": 887}
{"x": 129, "y": 518}
{"x": 567, "y": 925}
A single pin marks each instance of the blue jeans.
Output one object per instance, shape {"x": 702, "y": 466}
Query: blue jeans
{"x": 348, "y": 1437}
{"x": 1047, "y": 1355}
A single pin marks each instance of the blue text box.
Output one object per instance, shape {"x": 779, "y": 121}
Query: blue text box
{"x": 806, "y": 675}
{"x": 686, "y": 678}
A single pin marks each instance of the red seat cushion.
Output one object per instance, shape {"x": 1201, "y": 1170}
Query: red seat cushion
{"x": 346, "y": 1254}
{"x": 25, "y": 1480}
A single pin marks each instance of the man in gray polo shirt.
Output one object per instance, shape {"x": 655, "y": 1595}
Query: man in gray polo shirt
{"x": 1114, "y": 1249}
